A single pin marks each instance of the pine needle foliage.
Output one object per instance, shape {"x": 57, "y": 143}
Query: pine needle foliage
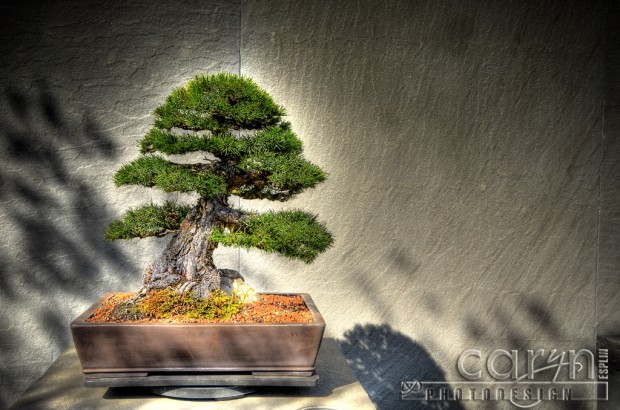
{"x": 257, "y": 156}
{"x": 155, "y": 171}
{"x": 149, "y": 220}
{"x": 284, "y": 172}
{"x": 275, "y": 139}
{"x": 294, "y": 234}
{"x": 219, "y": 102}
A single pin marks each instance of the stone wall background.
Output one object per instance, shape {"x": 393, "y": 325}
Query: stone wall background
{"x": 78, "y": 82}
{"x": 472, "y": 152}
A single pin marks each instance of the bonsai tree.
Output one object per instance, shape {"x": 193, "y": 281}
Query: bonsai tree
{"x": 249, "y": 152}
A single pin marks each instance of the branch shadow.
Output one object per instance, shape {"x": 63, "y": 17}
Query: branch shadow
{"x": 527, "y": 325}
{"x": 63, "y": 384}
{"x": 382, "y": 358}
{"x": 330, "y": 367}
{"x": 53, "y": 257}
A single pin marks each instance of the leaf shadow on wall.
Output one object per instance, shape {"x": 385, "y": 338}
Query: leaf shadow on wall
{"x": 52, "y": 248}
{"x": 514, "y": 327}
{"x": 382, "y": 358}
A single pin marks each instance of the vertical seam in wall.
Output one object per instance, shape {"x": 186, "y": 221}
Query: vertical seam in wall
{"x": 600, "y": 171}
{"x": 240, "y": 9}
{"x": 239, "y": 34}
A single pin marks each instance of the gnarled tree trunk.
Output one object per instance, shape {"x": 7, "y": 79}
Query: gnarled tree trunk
{"x": 187, "y": 261}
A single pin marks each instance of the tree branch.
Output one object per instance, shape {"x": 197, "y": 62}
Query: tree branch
{"x": 230, "y": 217}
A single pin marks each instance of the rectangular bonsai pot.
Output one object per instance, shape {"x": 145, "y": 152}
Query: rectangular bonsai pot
{"x": 197, "y": 347}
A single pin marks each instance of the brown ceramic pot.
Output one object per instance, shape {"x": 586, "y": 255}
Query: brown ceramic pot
{"x": 197, "y": 347}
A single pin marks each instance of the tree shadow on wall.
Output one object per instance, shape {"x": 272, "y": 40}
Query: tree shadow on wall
{"x": 52, "y": 252}
{"x": 530, "y": 324}
{"x": 383, "y": 358}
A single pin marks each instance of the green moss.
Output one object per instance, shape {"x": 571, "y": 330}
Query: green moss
{"x": 167, "y": 303}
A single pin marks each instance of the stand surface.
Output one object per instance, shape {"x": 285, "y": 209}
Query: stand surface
{"x": 63, "y": 387}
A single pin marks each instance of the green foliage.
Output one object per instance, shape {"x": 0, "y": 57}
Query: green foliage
{"x": 294, "y": 234}
{"x": 155, "y": 171}
{"x": 169, "y": 142}
{"x": 218, "y": 102}
{"x": 167, "y": 303}
{"x": 264, "y": 161}
{"x": 284, "y": 172}
{"x": 150, "y": 220}
{"x": 276, "y": 139}
{"x": 270, "y": 157}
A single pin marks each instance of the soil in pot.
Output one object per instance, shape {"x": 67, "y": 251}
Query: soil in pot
{"x": 167, "y": 306}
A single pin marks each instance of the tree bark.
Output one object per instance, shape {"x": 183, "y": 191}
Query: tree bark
{"x": 188, "y": 258}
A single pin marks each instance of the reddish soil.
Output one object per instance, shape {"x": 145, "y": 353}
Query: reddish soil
{"x": 270, "y": 309}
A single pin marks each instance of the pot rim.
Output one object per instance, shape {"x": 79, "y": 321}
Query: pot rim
{"x": 318, "y": 320}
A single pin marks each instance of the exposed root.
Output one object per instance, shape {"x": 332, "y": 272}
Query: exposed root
{"x": 139, "y": 295}
{"x": 186, "y": 287}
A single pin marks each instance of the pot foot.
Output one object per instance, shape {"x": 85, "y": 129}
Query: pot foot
{"x": 203, "y": 393}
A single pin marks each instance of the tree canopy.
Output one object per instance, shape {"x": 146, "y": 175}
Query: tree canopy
{"x": 254, "y": 154}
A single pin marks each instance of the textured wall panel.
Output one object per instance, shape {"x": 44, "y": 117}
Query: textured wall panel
{"x": 609, "y": 258}
{"x": 78, "y": 82}
{"x": 463, "y": 142}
